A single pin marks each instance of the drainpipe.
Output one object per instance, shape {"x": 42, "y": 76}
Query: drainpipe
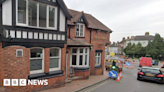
{"x": 69, "y": 31}
{"x": 66, "y": 66}
{"x": 90, "y": 35}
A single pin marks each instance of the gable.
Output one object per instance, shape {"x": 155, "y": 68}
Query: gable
{"x": 82, "y": 19}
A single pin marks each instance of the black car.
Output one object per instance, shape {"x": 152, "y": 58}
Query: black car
{"x": 149, "y": 73}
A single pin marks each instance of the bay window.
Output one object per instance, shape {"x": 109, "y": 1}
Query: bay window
{"x": 80, "y": 30}
{"x": 80, "y": 57}
{"x": 33, "y": 14}
{"x": 98, "y": 59}
{"x": 55, "y": 59}
{"x": 36, "y": 60}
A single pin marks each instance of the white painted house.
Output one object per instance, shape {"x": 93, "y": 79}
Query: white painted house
{"x": 143, "y": 39}
{"x": 114, "y": 48}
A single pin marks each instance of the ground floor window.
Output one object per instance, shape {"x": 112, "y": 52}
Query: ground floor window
{"x": 80, "y": 57}
{"x": 55, "y": 59}
{"x": 36, "y": 60}
{"x": 98, "y": 58}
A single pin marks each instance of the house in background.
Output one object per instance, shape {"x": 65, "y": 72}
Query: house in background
{"x": 114, "y": 48}
{"x": 87, "y": 38}
{"x": 33, "y": 42}
{"x": 143, "y": 39}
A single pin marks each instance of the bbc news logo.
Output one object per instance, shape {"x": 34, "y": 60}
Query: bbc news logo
{"x": 23, "y": 82}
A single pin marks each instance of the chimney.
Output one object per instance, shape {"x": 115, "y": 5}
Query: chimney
{"x": 128, "y": 38}
{"x": 123, "y": 39}
{"x": 117, "y": 42}
{"x": 147, "y": 34}
{"x": 132, "y": 37}
{"x": 113, "y": 42}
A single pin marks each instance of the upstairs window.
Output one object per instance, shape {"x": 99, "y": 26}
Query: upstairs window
{"x": 34, "y": 14}
{"x": 80, "y": 30}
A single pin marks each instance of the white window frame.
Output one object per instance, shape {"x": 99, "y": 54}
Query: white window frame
{"x": 42, "y": 70}
{"x": 78, "y": 56}
{"x": 17, "y": 53}
{"x": 37, "y": 25}
{"x": 96, "y": 56}
{"x": 59, "y": 68}
{"x": 79, "y": 29}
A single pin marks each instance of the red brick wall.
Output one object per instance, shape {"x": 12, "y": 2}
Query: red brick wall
{"x": 84, "y": 74}
{"x": 96, "y": 46}
{"x": 19, "y": 68}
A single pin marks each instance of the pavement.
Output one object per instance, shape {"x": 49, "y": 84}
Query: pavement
{"x": 80, "y": 84}
{"x": 129, "y": 83}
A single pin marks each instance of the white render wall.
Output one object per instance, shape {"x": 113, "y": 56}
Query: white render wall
{"x": 7, "y": 13}
{"x": 113, "y": 49}
{"x": 62, "y": 21}
{"x": 144, "y": 43}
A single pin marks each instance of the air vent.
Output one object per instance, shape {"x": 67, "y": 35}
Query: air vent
{"x": 19, "y": 53}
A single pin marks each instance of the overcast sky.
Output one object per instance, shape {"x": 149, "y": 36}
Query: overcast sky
{"x": 125, "y": 17}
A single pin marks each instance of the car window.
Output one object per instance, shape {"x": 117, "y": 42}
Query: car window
{"x": 151, "y": 70}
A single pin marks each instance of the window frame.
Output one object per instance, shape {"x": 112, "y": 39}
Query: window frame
{"x": 96, "y": 56}
{"x": 37, "y": 71}
{"x": 37, "y": 25}
{"x": 78, "y": 56}
{"x": 17, "y": 52}
{"x": 59, "y": 68}
{"x": 79, "y": 29}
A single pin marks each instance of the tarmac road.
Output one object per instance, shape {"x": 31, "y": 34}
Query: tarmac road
{"x": 129, "y": 83}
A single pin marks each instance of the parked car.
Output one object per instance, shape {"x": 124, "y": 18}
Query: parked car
{"x": 154, "y": 62}
{"x": 149, "y": 73}
{"x": 145, "y": 61}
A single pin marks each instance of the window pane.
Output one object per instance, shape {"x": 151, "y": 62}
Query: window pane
{"x": 51, "y": 17}
{"x": 22, "y": 11}
{"x": 73, "y": 59}
{"x": 74, "y": 50}
{"x": 98, "y": 54}
{"x": 35, "y": 64}
{"x": 54, "y": 52}
{"x": 81, "y": 50}
{"x": 85, "y": 59}
{"x": 54, "y": 63}
{"x": 81, "y": 60}
{"x": 32, "y": 13}
{"x": 36, "y": 53}
{"x": 77, "y": 30}
{"x": 99, "y": 60}
{"x": 42, "y": 15}
{"x": 96, "y": 61}
{"x": 86, "y": 50}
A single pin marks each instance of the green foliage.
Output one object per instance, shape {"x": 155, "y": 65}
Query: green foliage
{"x": 154, "y": 48}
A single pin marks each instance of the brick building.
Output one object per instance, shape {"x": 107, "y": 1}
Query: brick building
{"x": 40, "y": 40}
{"x": 33, "y": 42}
{"x": 87, "y": 38}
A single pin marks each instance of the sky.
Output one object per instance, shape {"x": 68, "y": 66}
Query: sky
{"x": 125, "y": 17}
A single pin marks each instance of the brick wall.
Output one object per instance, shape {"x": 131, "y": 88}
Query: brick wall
{"x": 98, "y": 44}
{"x": 19, "y": 68}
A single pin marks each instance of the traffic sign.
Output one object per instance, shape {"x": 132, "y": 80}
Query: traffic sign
{"x": 128, "y": 64}
{"x": 113, "y": 74}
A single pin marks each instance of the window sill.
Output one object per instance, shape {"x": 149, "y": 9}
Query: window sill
{"x": 46, "y": 75}
{"x": 98, "y": 66}
{"x": 82, "y": 68}
{"x": 79, "y": 37}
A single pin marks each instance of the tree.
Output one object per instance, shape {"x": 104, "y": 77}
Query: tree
{"x": 156, "y": 47}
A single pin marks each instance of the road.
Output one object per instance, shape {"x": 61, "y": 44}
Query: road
{"x": 129, "y": 83}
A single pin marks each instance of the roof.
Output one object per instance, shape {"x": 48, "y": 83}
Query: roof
{"x": 136, "y": 38}
{"x": 113, "y": 45}
{"x": 93, "y": 23}
{"x": 77, "y": 43}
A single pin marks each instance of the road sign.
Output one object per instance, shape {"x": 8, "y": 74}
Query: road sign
{"x": 128, "y": 64}
{"x": 113, "y": 74}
